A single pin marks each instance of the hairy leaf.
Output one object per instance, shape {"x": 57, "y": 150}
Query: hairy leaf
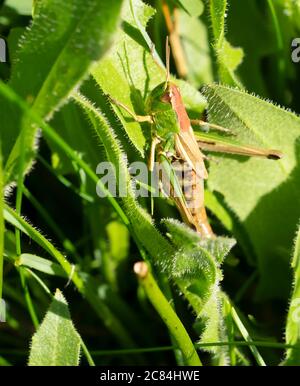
{"x": 191, "y": 7}
{"x": 263, "y": 193}
{"x": 194, "y": 38}
{"x": 196, "y": 265}
{"x": 228, "y": 57}
{"x": 56, "y": 343}
{"x": 54, "y": 63}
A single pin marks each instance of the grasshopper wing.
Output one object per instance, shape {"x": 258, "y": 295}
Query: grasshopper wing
{"x": 188, "y": 150}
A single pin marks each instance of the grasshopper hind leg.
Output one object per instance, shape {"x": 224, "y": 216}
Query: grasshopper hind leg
{"x": 206, "y": 126}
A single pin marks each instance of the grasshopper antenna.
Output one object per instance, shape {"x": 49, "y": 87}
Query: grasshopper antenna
{"x": 168, "y": 54}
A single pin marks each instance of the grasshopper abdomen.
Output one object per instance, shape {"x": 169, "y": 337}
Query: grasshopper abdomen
{"x": 191, "y": 204}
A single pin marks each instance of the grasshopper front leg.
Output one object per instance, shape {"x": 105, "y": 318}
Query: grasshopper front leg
{"x": 154, "y": 143}
{"x": 137, "y": 118}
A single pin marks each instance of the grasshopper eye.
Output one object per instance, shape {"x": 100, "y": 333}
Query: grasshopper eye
{"x": 166, "y": 98}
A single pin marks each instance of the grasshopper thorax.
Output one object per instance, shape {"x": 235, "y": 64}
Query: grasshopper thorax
{"x": 165, "y": 106}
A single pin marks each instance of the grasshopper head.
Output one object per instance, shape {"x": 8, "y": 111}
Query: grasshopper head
{"x": 159, "y": 106}
{"x": 167, "y": 109}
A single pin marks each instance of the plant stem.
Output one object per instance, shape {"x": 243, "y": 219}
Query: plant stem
{"x": 167, "y": 314}
{"x": 274, "y": 345}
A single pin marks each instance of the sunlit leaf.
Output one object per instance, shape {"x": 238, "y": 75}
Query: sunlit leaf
{"x": 56, "y": 343}
{"x": 263, "y": 193}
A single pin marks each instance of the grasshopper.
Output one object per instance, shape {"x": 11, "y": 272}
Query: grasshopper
{"x": 173, "y": 139}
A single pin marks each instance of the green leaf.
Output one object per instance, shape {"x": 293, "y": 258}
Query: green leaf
{"x": 41, "y": 264}
{"x": 218, "y": 247}
{"x": 23, "y": 7}
{"x": 263, "y": 193}
{"x": 257, "y": 43}
{"x": 126, "y": 72}
{"x": 54, "y": 63}
{"x": 141, "y": 224}
{"x": 83, "y": 33}
{"x": 294, "y": 7}
{"x": 230, "y": 222}
{"x": 194, "y": 39}
{"x": 292, "y": 332}
{"x": 117, "y": 253}
{"x": 191, "y": 260}
{"x": 119, "y": 240}
{"x": 196, "y": 268}
{"x": 218, "y": 10}
{"x": 191, "y": 266}
{"x": 83, "y": 283}
{"x": 71, "y": 124}
{"x": 191, "y": 7}
{"x": 245, "y": 334}
{"x": 56, "y": 342}
{"x": 228, "y": 57}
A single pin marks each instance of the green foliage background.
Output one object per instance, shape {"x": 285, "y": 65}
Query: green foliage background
{"x": 229, "y": 301}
